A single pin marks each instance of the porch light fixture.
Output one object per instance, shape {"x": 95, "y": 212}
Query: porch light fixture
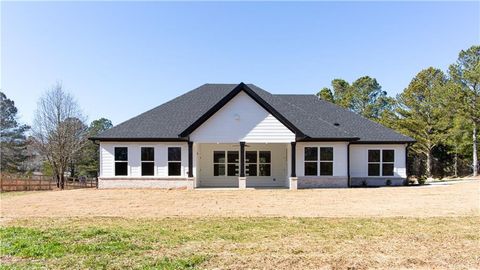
{"x": 236, "y": 116}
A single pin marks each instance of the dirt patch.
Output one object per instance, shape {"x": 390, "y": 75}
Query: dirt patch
{"x": 460, "y": 199}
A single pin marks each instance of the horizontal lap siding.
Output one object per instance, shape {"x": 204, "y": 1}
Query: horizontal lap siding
{"x": 242, "y": 119}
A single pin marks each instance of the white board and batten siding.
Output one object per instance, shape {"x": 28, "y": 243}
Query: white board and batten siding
{"x": 242, "y": 119}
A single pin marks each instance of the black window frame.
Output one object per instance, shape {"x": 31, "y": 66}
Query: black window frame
{"x": 380, "y": 164}
{"x": 147, "y": 161}
{"x": 174, "y": 162}
{"x": 310, "y": 162}
{"x": 118, "y": 160}
{"x": 320, "y": 163}
{"x": 325, "y": 161}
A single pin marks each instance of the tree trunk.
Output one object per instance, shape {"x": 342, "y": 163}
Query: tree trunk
{"x": 429, "y": 163}
{"x": 475, "y": 157}
{"x": 62, "y": 181}
{"x": 456, "y": 162}
{"x": 58, "y": 179}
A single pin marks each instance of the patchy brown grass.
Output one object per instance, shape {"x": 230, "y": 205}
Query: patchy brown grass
{"x": 242, "y": 243}
{"x": 459, "y": 199}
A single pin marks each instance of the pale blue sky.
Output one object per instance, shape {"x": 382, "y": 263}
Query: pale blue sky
{"x": 120, "y": 59}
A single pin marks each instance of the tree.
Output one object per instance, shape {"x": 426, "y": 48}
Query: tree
{"x": 342, "y": 93}
{"x": 423, "y": 113}
{"x": 466, "y": 73}
{"x": 12, "y": 137}
{"x": 58, "y": 130}
{"x": 365, "y": 97}
{"x": 368, "y": 98}
{"x": 89, "y": 162}
{"x": 326, "y": 94}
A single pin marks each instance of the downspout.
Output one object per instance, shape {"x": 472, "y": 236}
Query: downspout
{"x": 406, "y": 161}
{"x": 348, "y": 165}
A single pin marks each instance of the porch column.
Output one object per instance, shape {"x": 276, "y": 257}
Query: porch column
{"x": 242, "y": 180}
{"x": 293, "y": 174}
{"x": 190, "y": 179}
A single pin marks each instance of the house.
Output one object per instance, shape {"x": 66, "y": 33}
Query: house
{"x": 228, "y": 135}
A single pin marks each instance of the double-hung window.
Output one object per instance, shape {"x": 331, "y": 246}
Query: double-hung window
{"x": 318, "y": 161}
{"x": 232, "y": 163}
{"x": 326, "y": 161}
{"x": 258, "y": 163}
{"x": 251, "y": 163}
{"x": 381, "y": 162}
{"x": 219, "y": 163}
{"x": 225, "y": 163}
{"x": 174, "y": 161}
{"x": 264, "y": 163}
{"x": 148, "y": 160}
{"x": 121, "y": 161}
{"x": 311, "y": 161}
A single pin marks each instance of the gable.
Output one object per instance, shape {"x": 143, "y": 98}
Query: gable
{"x": 242, "y": 119}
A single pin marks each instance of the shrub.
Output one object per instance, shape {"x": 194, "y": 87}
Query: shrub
{"x": 364, "y": 182}
{"x": 388, "y": 182}
{"x": 421, "y": 180}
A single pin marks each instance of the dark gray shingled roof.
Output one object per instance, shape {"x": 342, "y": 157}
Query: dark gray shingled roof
{"x": 308, "y": 114}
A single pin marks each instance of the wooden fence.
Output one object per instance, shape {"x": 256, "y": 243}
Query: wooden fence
{"x": 26, "y": 183}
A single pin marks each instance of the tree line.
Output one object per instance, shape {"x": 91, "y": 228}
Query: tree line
{"x": 56, "y": 144}
{"x": 439, "y": 109}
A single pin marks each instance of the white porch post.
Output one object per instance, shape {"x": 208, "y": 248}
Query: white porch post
{"x": 293, "y": 180}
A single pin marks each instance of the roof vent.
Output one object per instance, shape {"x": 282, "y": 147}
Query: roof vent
{"x": 336, "y": 124}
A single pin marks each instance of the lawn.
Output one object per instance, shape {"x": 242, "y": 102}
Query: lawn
{"x": 397, "y": 227}
{"x": 233, "y": 243}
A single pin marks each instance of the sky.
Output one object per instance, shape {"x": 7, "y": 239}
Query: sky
{"x": 119, "y": 59}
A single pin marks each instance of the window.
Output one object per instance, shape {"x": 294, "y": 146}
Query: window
{"x": 388, "y": 158}
{"x": 311, "y": 160}
{"x": 218, "y": 163}
{"x": 381, "y": 162}
{"x": 121, "y": 161}
{"x": 251, "y": 163}
{"x": 225, "y": 163}
{"x": 318, "y": 158}
{"x": 258, "y": 163}
{"x": 174, "y": 161}
{"x": 232, "y": 163}
{"x": 147, "y": 157}
{"x": 326, "y": 160}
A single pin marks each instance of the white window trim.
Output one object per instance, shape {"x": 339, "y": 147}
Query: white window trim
{"x": 258, "y": 163}
{"x": 219, "y": 163}
{"x": 155, "y": 173}
{"x": 182, "y": 173}
{"x": 115, "y": 161}
{"x": 380, "y": 163}
{"x": 318, "y": 160}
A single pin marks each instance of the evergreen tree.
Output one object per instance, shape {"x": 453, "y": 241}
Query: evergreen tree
{"x": 466, "y": 73}
{"x": 423, "y": 112}
{"x": 12, "y": 137}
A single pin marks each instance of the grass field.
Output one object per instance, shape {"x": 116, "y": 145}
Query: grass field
{"x": 434, "y": 227}
{"x": 234, "y": 243}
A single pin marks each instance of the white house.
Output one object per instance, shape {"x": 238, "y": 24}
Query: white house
{"x": 227, "y": 135}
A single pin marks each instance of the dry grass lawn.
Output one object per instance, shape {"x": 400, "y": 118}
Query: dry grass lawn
{"x": 434, "y": 227}
{"x": 460, "y": 199}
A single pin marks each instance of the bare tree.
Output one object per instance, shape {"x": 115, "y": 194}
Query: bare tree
{"x": 58, "y": 130}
